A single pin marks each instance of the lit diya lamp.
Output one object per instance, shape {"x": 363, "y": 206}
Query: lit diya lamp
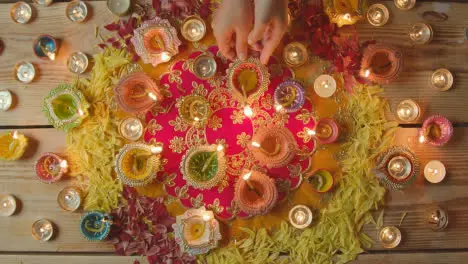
{"x": 131, "y": 128}
{"x": 119, "y": 7}
{"x": 436, "y": 218}
{"x": 408, "y": 110}
{"x": 404, "y": 4}
{"x": 7, "y": 205}
{"x": 43, "y": 230}
{"x": 290, "y": 96}
{"x": 12, "y": 145}
{"x": 273, "y": 146}
{"x": 381, "y": 63}
{"x": 442, "y": 79}
{"x": 325, "y": 86}
{"x": 436, "y": 130}
{"x": 193, "y": 28}
{"x": 156, "y": 41}
{"x": 378, "y": 15}
{"x": 434, "y": 171}
{"x": 197, "y": 231}
{"x": 137, "y": 93}
{"x": 69, "y": 198}
{"x": 76, "y": 11}
{"x": 390, "y": 236}
{"x": 204, "y": 67}
{"x": 255, "y": 193}
{"x": 397, "y": 168}
{"x": 78, "y": 62}
{"x": 248, "y": 79}
{"x": 421, "y": 33}
{"x": 65, "y": 107}
{"x": 326, "y": 131}
{"x": 46, "y": 47}
{"x": 344, "y": 12}
{"x": 6, "y": 99}
{"x": 95, "y": 226}
{"x": 25, "y": 72}
{"x": 194, "y": 109}
{"x": 321, "y": 180}
{"x": 136, "y": 164}
{"x": 21, "y": 12}
{"x": 300, "y": 216}
{"x": 203, "y": 167}
{"x": 50, "y": 167}
{"x": 295, "y": 54}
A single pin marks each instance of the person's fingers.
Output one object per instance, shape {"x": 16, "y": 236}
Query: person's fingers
{"x": 257, "y": 32}
{"x": 241, "y": 43}
{"x": 271, "y": 42}
{"x": 258, "y": 46}
{"x": 225, "y": 44}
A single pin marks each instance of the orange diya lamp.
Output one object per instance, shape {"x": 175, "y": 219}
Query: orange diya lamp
{"x": 137, "y": 93}
{"x": 381, "y": 63}
{"x": 50, "y": 167}
{"x": 327, "y": 131}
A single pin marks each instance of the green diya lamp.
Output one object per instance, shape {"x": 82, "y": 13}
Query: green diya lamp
{"x": 65, "y": 107}
{"x": 12, "y": 145}
{"x": 321, "y": 180}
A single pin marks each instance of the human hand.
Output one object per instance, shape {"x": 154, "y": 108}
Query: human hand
{"x": 232, "y": 23}
{"x": 271, "y": 22}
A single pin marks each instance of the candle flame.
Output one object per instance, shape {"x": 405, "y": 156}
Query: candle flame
{"x": 196, "y": 119}
{"x": 347, "y": 16}
{"x": 246, "y": 176}
{"x": 152, "y": 96}
{"x": 278, "y": 107}
{"x": 51, "y": 55}
{"x": 64, "y": 164}
{"x": 206, "y": 217}
{"x": 220, "y": 147}
{"x": 366, "y": 73}
{"x": 422, "y": 139}
{"x": 15, "y": 134}
{"x": 156, "y": 149}
{"x": 248, "y": 111}
{"x": 165, "y": 57}
{"x": 80, "y": 112}
{"x": 255, "y": 144}
{"x": 311, "y": 132}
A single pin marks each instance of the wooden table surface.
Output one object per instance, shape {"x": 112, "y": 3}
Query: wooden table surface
{"x": 420, "y": 245}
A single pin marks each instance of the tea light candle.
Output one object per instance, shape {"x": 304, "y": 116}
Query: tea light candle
{"x": 21, "y": 12}
{"x": 442, "y": 79}
{"x": 421, "y": 33}
{"x": 295, "y": 54}
{"x": 6, "y": 100}
{"x": 193, "y": 29}
{"x": 390, "y": 237}
{"x": 42, "y": 230}
{"x": 78, "y": 62}
{"x": 378, "y": 15}
{"x": 434, "y": 171}
{"x": 44, "y": 2}
{"x": 437, "y": 219}
{"x": 325, "y": 86}
{"x": 399, "y": 167}
{"x": 69, "y": 198}
{"x": 300, "y": 216}
{"x": 131, "y": 128}
{"x": 7, "y": 205}
{"x": 408, "y": 110}
{"x": 25, "y": 72}
{"x": 405, "y": 4}
{"x": 119, "y": 7}
{"x": 327, "y": 131}
{"x": 204, "y": 67}
{"x": 77, "y": 11}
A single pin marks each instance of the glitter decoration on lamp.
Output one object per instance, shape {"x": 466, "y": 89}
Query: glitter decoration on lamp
{"x": 381, "y": 63}
{"x": 50, "y": 167}
{"x": 344, "y": 12}
{"x": 137, "y": 93}
{"x": 12, "y": 145}
{"x": 95, "y": 226}
{"x": 436, "y": 130}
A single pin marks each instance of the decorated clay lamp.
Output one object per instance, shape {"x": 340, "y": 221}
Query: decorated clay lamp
{"x": 290, "y": 96}
{"x": 408, "y": 111}
{"x": 442, "y": 79}
{"x": 7, "y": 205}
{"x": 434, "y": 171}
{"x": 295, "y": 54}
{"x": 197, "y": 231}
{"x": 131, "y": 128}
{"x": 204, "y": 67}
{"x": 69, "y": 198}
{"x": 248, "y": 79}
{"x": 397, "y": 168}
{"x": 156, "y": 41}
{"x": 21, "y": 12}
{"x": 273, "y": 146}
{"x": 45, "y": 47}
{"x": 65, "y": 107}
{"x": 43, "y": 230}
{"x": 76, "y": 11}
{"x": 6, "y": 99}
{"x": 137, "y": 93}
{"x": 255, "y": 193}
{"x": 325, "y": 86}
{"x": 405, "y": 4}
{"x": 327, "y": 131}
{"x": 390, "y": 236}
{"x": 50, "y": 167}
{"x": 436, "y": 218}
{"x": 381, "y": 63}
{"x": 194, "y": 109}
{"x": 378, "y": 15}
{"x": 78, "y": 62}
{"x": 95, "y": 226}
{"x": 25, "y": 72}
{"x": 44, "y": 2}
{"x": 203, "y": 167}
{"x": 300, "y": 216}
{"x": 119, "y": 7}
{"x": 12, "y": 145}
{"x": 137, "y": 163}
{"x": 421, "y": 33}
{"x": 321, "y": 180}
{"x": 193, "y": 28}
{"x": 436, "y": 130}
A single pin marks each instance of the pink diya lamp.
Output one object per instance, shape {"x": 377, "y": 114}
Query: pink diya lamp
{"x": 50, "y": 167}
{"x": 381, "y": 63}
{"x": 436, "y": 130}
{"x": 137, "y": 93}
{"x": 255, "y": 193}
{"x": 327, "y": 131}
{"x": 273, "y": 146}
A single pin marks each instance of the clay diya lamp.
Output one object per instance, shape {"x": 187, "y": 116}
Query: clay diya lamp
{"x": 327, "y": 131}
{"x": 194, "y": 109}
{"x": 46, "y": 47}
{"x": 204, "y": 66}
{"x": 197, "y": 231}
{"x": 290, "y": 96}
{"x": 156, "y": 41}
{"x": 65, "y": 107}
{"x": 255, "y": 193}
{"x": 137, "y": 164}
{"x": 203, "y": 167}
{"x": 381, "y": 63}
{"x": 321, "y": 180}
{"x": 436, "y": 130}
{"x": 273, "y": 146}
{"x": 137, "y": 93}
{"x": 247, "y": 80}
{"x": 50, "y": 167}
{"x": 95, "y": 226}
{"x": 343, "y": 12}
{"x": 12, "y": 145}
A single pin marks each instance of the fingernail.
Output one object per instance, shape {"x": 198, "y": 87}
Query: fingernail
{"x": 242, "y": 56}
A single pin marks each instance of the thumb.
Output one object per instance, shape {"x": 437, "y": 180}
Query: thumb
{"x": 257, "y": 33}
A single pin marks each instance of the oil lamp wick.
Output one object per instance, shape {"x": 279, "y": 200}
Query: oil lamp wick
{"x": 246, "y": 178}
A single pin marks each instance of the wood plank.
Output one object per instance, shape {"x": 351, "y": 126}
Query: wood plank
{"x": 413, "y": 258}
{"x": 18, "y": 40}
{"x": 54, "y": 259}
